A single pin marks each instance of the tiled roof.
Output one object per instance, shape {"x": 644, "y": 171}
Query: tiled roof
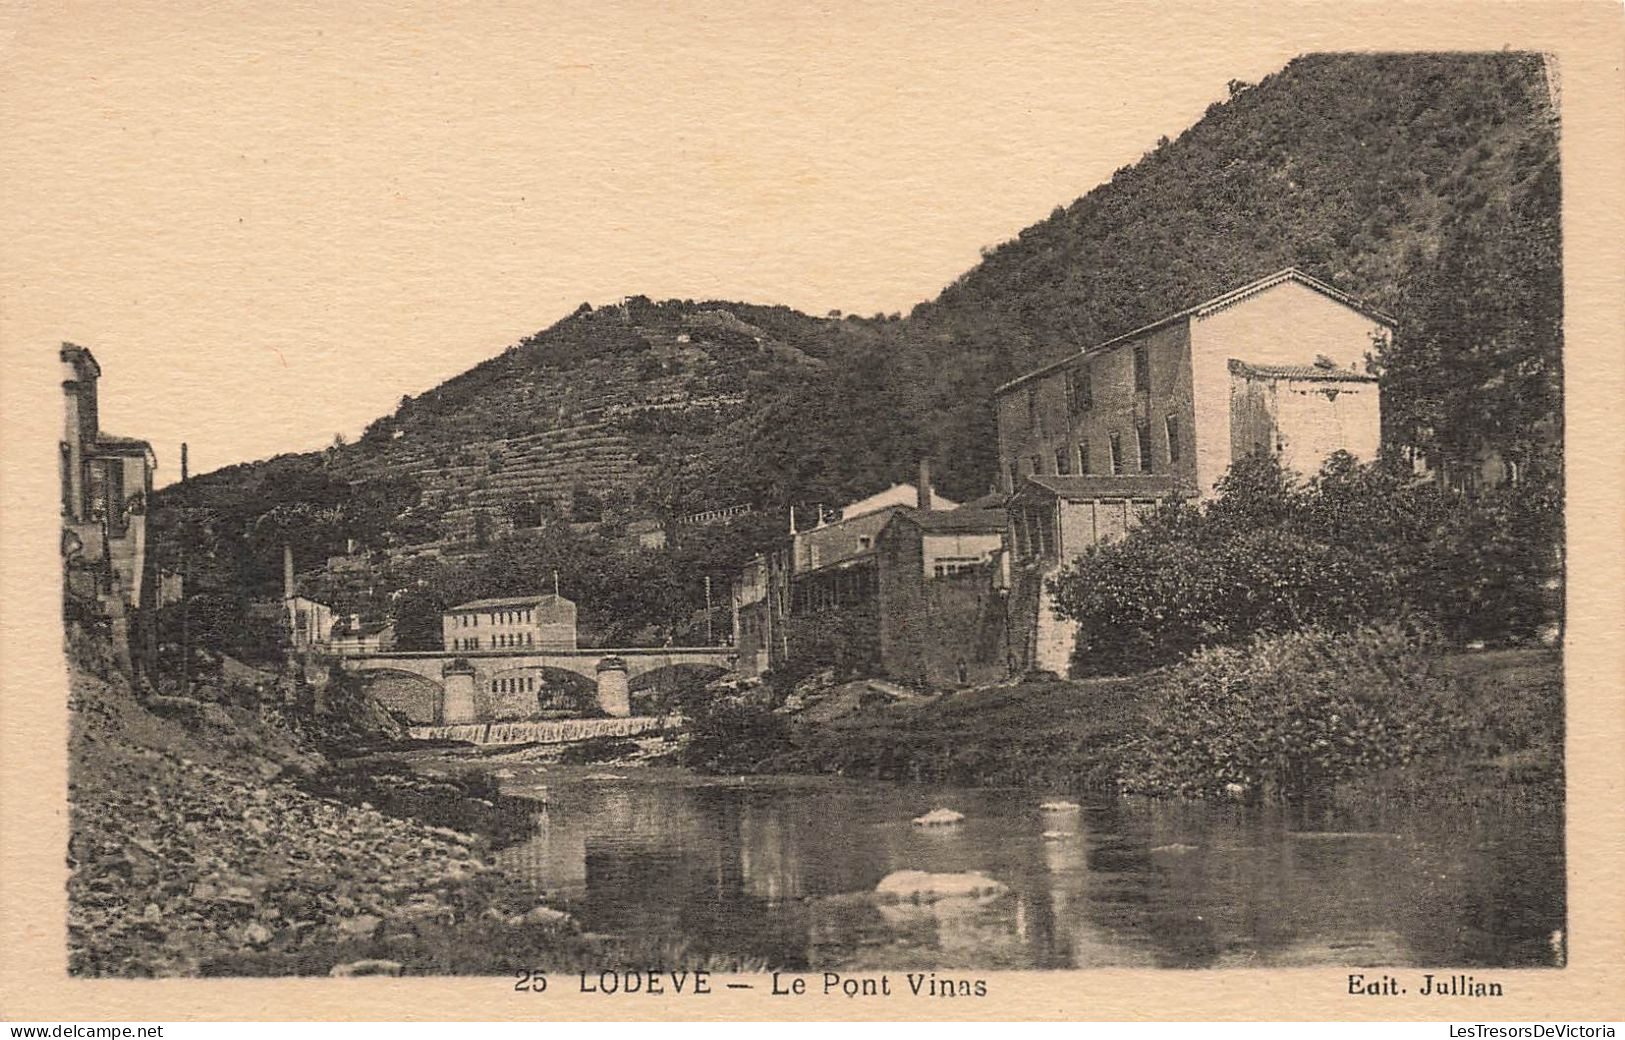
{"x": 1219, "y": 302}
{"x": 948, "y": 521}
{"x": 991, "y": 500}
{"x": 342, "y": 629}
{"x": 1322, "y": 373}
{"x": 504, "y": 601}
{"x": 1078, "y": 488}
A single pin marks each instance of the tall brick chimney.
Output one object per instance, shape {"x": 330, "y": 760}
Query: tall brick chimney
{"x": 923, "y": 488}
{"x": 287, "y": 571}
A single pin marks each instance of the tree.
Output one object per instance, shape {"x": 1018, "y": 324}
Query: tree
{"x": 1355, "y": 545}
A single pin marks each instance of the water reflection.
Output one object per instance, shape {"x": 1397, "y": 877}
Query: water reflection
{"x": 783, "y": 873}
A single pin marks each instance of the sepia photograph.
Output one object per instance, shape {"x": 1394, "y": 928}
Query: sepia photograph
{"x": 599, "y": 502}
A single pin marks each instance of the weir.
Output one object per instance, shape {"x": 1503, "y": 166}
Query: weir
{"x": 556, "y": 731}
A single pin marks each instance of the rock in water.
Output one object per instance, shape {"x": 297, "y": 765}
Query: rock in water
{"x": 1060, "y": 807}
{"x": 938, "y": 818}
{"x": 367, "y": 967}
{"x": 1057, "y": 835}
{"x": 919, "y": 886}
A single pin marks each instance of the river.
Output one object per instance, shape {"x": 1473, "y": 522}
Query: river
{"x": 780, "y": 872}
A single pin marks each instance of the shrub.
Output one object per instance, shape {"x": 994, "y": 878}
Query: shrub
{"x": 1289, "y": 716}
{"x": 733, "y": 734}
{"x": 1355, "y": 545}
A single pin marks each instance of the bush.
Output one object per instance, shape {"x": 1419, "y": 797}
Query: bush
{"x": 1289, "y": 716}
{"x": 729, "y": 732}
{"x": 1355, "y": 545}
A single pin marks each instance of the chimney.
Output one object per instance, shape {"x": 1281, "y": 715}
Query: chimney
{"x": 287, "y": 571}
{"x": 923, "y": 489}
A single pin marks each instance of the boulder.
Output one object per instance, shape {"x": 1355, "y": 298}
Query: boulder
{"x": 1060, "y": 806}
{"x": 361, "y": 925}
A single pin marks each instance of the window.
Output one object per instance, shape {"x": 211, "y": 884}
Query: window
{"x": 1117, "y": 453}
{"x": 1063, "y": 461}
{"x": 1083, "y": 458}
{"x": 1143, "y": 435}
{"x": 1172, "y": 424}
{"x": 1079, "y": 394}
{"x": 947, "y": 566}
{"x": 1082, "y": 390}
{"x": 1142, "y": 368}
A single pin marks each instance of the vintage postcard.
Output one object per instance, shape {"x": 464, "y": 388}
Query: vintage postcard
{"x": 811, "y": 511}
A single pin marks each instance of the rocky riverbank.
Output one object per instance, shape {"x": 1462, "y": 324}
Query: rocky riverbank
{"x": 213, "y": 841}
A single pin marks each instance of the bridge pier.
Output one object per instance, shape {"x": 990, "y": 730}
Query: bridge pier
{"x": 458, "y": 704}
{"x": 614, "y": 695}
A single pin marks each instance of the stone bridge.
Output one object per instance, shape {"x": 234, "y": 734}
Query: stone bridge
{"x": 448, "y": 688}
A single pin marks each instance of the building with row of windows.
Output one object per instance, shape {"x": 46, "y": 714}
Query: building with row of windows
{"x": 1094, "y": 441}
{"x": 542, "y": 622}
{"x": 1088, "y": 445}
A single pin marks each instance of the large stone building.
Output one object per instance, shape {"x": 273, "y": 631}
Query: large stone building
{"x": 546, "y": 622}
{"x": 106, "y": 488}
{"x": 1094, "y": 440}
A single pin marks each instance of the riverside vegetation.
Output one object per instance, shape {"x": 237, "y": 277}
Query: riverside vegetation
{"x": 1307, "y": 717}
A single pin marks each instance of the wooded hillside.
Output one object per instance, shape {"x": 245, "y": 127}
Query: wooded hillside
{"x": 1428, "y": 184}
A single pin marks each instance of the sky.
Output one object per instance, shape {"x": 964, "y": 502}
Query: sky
{"x": 271, "y": 221}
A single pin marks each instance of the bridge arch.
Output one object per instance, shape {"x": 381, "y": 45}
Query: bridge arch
{"x": 648, "y": 689}
{"x": 526, "y": 690}
{"x": 408, "y": 695}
